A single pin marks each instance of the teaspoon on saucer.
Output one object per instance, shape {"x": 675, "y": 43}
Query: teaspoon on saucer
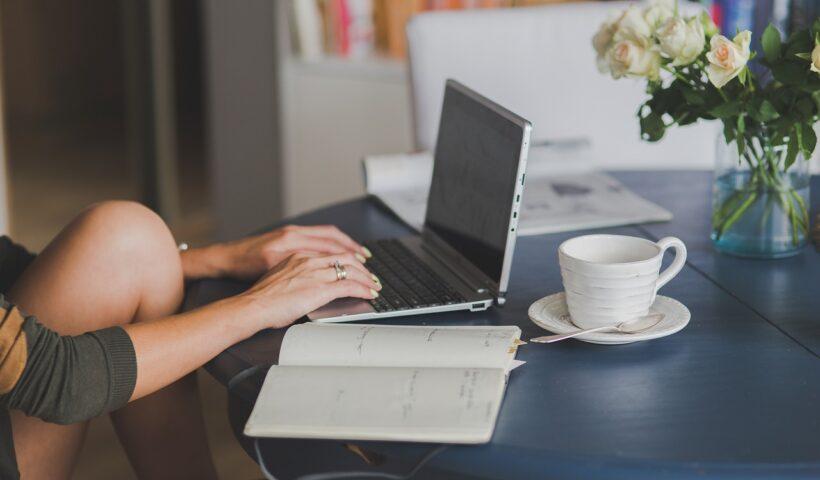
{"x": 632, "y": 326}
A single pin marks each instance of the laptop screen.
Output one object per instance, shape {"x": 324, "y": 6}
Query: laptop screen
{"x": 474, "y": 174}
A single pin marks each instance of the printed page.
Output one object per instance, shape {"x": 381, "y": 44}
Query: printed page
{"x": 345, "y": 345}
{"x": 561, "y": 193}
{"x": 557, "y": 203}
{"x": 401, "y": 182}
{"x": 383, "y": 173}
{"x": 452, "y": 405}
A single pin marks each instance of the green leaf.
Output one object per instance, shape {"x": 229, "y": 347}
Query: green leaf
{"x": 741, "y": 131}
{"x": 652, "y": 127}
{"x": 728, "y": 109}
{"x": 771, "y": 43}
{"x": 807, "y": 139}
{"x": 789, "y": 73}
{"x": 791, "y": 152}
{"x": 763, "y": 110}
{"x": 728, "y": 132}
{"x": 781, "y": 132}
{"x": 803, "y": 56}
{"x": 804, "y": 109}
{"x": 692, "y": 97}
{"x": 800, "y": 41}
{"x": 743, "y": 75}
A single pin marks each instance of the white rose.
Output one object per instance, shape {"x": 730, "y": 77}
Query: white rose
{"x": 632, "y": 25}
{"x": 658, "y": 12}
{"x": 682, "y": 41}
{"x": 635, "y": 58}
{"x": 815, "y": 59}
{"x": 602, "y": 41}
{"x": 727, "y": 57}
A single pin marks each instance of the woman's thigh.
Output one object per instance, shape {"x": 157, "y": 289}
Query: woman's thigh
{"x": 116, "y": 263}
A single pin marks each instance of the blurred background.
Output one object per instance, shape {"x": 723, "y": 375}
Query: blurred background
{"x": 222, "y": 116}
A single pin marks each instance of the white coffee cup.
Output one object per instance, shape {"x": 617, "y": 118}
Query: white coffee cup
{"x": 609, "y": 279}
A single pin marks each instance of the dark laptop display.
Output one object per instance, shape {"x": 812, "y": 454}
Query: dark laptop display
{"x": 474, "y": 176}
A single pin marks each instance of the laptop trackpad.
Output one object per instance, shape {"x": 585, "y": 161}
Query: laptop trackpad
{"x": 340, "y": 307}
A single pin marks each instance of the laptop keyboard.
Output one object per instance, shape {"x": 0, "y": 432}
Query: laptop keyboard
{"x": 407, "y": 282}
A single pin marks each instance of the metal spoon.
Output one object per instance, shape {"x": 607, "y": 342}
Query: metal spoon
{"x": 632, "y": 326}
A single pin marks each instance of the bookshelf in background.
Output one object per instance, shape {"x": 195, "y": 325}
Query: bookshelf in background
{"x": 361, "y": 30}
{"x": 755, "y": 15}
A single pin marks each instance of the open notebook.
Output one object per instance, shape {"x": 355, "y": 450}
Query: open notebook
{"x": 372, "y": 382}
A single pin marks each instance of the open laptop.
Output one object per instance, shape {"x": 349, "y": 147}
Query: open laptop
{"x": 461, "y": 259}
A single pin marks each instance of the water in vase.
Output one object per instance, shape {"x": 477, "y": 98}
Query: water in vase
{"x": 766, "y": 228}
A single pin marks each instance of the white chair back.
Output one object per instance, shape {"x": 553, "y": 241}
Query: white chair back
{"x": 539, "y": 62}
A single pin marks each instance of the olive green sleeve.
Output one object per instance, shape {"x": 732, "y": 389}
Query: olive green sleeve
{"x": 13, "y": 260}
{"x": 63, "y": 379}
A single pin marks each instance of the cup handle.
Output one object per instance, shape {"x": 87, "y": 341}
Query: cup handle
{"x": 677, "y": 263}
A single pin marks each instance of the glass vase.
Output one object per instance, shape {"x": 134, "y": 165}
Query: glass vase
{"x": 759, "y": 207}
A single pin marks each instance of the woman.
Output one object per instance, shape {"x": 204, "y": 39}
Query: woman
{"x": 107, "y": 336}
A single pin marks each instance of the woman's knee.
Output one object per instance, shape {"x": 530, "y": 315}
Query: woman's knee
{"x": 126, "y": 225}
{"x": 139, "y": 239}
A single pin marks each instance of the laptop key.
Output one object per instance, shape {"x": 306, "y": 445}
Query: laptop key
{"x": 407, "y": 282}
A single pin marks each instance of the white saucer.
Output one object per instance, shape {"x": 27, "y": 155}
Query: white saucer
{"x": 550, "y": 313}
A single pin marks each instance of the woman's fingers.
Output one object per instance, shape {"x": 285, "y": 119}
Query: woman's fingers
{"x": 332, "y": 232}
{"x": 303, "y": 242}
{"x": 344, "y": 289}
{"x": 347, "y": 259}
{"x": 328, "y": 274}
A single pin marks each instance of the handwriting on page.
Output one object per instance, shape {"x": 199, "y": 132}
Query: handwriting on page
{"x": 407, "y": 406}
{"x": 360, "y": 339}
{"x": 398, "y": 346}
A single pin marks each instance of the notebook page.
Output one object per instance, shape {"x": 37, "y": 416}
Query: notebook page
{"x": 453, "y": 405}
{"x": 399, "y": 346}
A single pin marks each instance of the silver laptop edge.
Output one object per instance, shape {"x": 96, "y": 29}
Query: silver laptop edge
{"x": 480, "y": 290}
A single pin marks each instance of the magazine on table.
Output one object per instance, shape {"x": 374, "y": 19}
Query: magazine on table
{"x": 560, "y": 194}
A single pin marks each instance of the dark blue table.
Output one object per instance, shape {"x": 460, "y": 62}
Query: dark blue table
{"x": 736, "y": 394}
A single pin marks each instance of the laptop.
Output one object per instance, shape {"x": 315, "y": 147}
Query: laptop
{"x": 461, "y": 259}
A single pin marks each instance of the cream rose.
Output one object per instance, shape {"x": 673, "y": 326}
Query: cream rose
{"x": 632, "y": 25}
{"x": 602, "y": 41}
{"x": 682, "y": 41}
{"x": 658, "y": 12}
{"x": 727, "y": 57}
{"x": 635, "y": 58}
{"x": 815, "y": 59}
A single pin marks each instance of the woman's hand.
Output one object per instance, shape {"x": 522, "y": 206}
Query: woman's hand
{"x": 304, "y": 282}
{"x": 169, "y": 348}
{"x": 250, "y": 257}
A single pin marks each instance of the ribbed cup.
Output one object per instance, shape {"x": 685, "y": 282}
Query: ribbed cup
{"x": 609, "y": 279}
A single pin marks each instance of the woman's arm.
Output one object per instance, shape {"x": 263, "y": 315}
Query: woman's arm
{"x": 65, "y": 379}
{"x": 169, "y": 349}
{"x": 250, "y": 257}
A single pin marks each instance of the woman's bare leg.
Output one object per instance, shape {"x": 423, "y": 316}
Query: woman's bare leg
{"x": 115, "y": 264}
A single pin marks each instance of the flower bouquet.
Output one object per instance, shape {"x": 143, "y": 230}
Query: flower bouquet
{"x": 693, "y": 72}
